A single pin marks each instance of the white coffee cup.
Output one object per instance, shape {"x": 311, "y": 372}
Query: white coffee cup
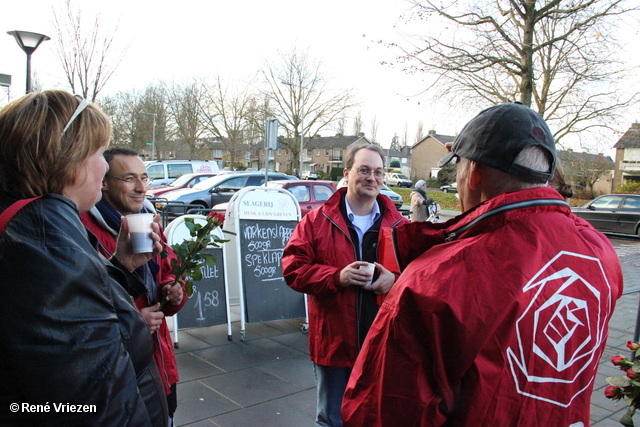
{"x": 370, "y": 268}
{"x": 139, "y": 229}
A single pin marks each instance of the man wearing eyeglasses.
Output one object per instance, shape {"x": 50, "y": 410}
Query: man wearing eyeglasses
{"x": 123, "y": 193}
{"x": 325, "y": 259}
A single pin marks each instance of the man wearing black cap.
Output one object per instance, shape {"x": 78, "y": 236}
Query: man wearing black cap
{"x": 500, "y": 315}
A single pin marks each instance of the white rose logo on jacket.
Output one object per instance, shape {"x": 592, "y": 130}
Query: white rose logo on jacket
{"x": 559, "y": 334}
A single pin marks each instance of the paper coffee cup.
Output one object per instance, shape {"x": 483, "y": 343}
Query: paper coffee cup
{"x": 369, "y": 268}
{"x": 139, "y": 229}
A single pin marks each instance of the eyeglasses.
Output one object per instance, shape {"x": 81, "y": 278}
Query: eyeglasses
{"x": 130, "y": 179}
{"x": 366, "y": 173}
{"x": 83, "y": 104}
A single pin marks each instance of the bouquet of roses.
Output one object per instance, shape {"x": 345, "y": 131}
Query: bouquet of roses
{"x": 190, "y": 253}
{"x": 626, "y": 386}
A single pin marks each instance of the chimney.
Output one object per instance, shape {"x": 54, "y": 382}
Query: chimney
{"x": 432, "y": 132}
{"x": 635, "y": 125}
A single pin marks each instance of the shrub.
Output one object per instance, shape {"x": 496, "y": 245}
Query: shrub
{"x": 629, "y": 187}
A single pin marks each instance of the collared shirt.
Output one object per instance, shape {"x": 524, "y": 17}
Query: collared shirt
{"x": 361, "y": 223}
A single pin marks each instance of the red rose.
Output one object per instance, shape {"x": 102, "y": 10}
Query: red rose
{"x": 622, "y": 362}
{"x": 633, "y": 346}
{"x": 633, "y": 375}
{"x": 612, "y": 392}
{"x": 217, "y": 215}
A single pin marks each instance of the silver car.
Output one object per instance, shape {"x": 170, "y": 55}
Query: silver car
{"x": 210, "y": 192}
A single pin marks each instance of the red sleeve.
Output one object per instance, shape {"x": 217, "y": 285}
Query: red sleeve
{"x": 301, "y": 269}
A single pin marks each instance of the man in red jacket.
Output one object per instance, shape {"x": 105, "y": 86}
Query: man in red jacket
{"x": 323, "y": 259}
{"x": 123, "y": 193}
{"x": 500, "y": 315}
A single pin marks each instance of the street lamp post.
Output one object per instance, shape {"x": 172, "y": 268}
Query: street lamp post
{"x": 301, "y": 119}
{"x": 153, "y": 137}
{"x": 28, "y": 42}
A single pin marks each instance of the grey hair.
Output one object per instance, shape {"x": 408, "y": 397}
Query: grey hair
{"x": 498, "y": 182}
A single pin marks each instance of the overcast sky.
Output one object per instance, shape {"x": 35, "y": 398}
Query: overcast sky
{"x": 180, "y": 39}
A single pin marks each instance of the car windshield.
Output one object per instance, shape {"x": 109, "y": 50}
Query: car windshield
{"x": 179, "y": 182}
{"x": 401, "y": 176}
{"x": 384, "y": 187}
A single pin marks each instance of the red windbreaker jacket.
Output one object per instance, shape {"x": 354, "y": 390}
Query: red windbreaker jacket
{"x": 499, "y": 319}
{"x": 319, "y": 248}
{"x": 162, "y": 343}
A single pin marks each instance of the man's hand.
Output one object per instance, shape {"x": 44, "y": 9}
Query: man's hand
{"x": 351, "y": 275}
{"x": 151, "y": 317}
{"x": 385, "y": 281}
{"x": 124, "y": 249}
{"x": 173, "y": 294}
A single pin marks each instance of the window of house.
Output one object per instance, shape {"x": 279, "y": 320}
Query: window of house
{"x": 317, "y": 152}
{"x": 326, "y": 152}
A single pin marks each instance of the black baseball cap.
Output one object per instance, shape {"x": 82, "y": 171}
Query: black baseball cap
{"x": 498, "y": 134}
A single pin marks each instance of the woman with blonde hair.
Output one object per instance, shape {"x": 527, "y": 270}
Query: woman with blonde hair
{"x": 74, "y": 350}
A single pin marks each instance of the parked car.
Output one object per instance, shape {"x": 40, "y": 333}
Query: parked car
{"x": 394, "y": 179}
{"x": 185, "y": 181}
{"x": 613, "y": 213}
{"x": 450, "y": 188}
{"x": 309, "y": 175}
{"x": 212, "y": 191}
{"x": 395, "y": 197}
{"x": 310, "y": 195}
{"x": 164, "y": 172}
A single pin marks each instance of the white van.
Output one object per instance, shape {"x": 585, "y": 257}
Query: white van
{"x": 164, "y": 172}
{"x": 394, "y": 179}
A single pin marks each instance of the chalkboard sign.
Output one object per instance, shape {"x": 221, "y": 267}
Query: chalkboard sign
{"x": 266, "y": 295}
{"x": 207, "y": 306}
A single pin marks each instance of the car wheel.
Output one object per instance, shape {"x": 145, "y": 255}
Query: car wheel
{"x": 445, "y": 191}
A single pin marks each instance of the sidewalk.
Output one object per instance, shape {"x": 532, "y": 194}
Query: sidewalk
{"x": 267, "y": 380}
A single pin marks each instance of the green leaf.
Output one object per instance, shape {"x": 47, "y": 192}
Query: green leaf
{"x": 619, "y": 381}
{"x": 188, "y": 287}
{"x": 627, "y": 419}
{"x": 197, "y": 275}
{"x": 210, "y": 260}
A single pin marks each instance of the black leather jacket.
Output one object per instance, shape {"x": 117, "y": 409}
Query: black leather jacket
{"x": 69, "y": 333}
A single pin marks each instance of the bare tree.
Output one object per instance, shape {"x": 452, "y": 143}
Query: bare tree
{"x": 300, "y": 90}
{"x": 185, "y": 114}
{"x": 405, "y": 135}
{"x": 133, "y": 129}
{"x": 225, "y": 112}
{"x": 556, "y": 56}
{"x": 88, "y": 54}
{"x": 585, "y": 169}
{"x": 357, "y": 124}
{"x": 419, "y": 132}
{"x": 373, "y": 132}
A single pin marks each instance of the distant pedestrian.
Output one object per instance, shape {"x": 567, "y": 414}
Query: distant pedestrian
{"x": 420, "y": 202}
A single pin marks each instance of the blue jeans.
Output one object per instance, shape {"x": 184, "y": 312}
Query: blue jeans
{"x": 331, "y": 383}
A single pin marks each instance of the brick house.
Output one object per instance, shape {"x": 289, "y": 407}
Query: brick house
{"x": 627, "y": 163}
{"x": 321, "y": 154}
{"x": 426, "y": 153}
